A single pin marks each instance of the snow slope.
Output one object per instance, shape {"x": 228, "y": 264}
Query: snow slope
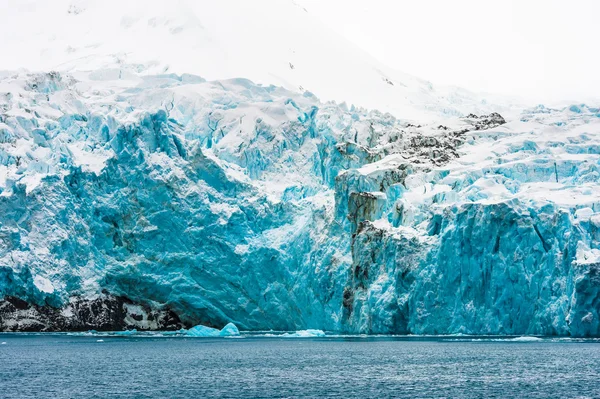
{"x": 267, "y": 41}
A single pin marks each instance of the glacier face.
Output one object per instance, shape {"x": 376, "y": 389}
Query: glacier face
{"x": 185, "y": 202}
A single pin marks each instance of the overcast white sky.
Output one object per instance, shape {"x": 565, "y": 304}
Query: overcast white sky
{"x": 547, "y": 49}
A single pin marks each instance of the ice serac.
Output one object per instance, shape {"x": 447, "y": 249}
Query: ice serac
{"x": 168, "y": 201}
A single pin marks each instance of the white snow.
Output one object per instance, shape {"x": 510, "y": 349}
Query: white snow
{"x": 43, "y": 284}
{"x": 90, "y": 161}
{"x": 586, "y": 255}
{"x": 267, "y": 41}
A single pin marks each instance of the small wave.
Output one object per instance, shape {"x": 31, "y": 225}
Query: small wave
{"x": 526, "y": 339}
{"x": 305, "y": 334}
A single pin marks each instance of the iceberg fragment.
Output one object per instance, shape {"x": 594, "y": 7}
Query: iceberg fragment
{"x": 230, "y": 330}
{"x": 202, "y": 331}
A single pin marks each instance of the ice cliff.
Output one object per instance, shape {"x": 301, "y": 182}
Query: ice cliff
{"x": 164, "y": 201}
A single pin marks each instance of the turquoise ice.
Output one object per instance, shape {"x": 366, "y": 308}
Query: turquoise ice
{"x": 230, "y": 202}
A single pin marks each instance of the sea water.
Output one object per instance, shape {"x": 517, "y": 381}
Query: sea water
{"x": 130, "y": 366}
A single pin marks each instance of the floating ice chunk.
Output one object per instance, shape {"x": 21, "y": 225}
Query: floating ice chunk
{"x": 305, "y": 334}
{"x": 202, "y": 331}
{"x": 99, "y": 340}
{"x": 230, "y": 330}
{"x": 3, "y": 343}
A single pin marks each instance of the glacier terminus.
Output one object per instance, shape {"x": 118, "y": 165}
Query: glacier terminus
{"x": 164, "y": 201}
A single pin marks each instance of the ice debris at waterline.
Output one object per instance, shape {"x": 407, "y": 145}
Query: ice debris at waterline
{"x": 162, "y": 202}
{"x": 527, "y": 339}
{"x": 304, "y": 334}
{"x": 126, "y": 333}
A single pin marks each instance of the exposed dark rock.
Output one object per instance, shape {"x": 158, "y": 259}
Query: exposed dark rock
{"x": 442, "y": 148}
{"x": 486, "y": 121}
{"x": 104, "y": 313}
{"x": 348, "y": 299}
{"x": 364, "y": 206}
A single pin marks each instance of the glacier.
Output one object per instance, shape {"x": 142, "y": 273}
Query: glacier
{"x": 168, "y": 201}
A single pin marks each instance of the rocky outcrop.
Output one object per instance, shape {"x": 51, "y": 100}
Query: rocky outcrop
{"x": 104, "y": 313}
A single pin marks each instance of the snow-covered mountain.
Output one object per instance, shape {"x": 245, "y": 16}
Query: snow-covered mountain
{"x": 267, "y": 41}
{"x": 131, "y": 196}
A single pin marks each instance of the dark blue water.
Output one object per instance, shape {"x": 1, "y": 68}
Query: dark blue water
{"x": 61, "y": 366}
